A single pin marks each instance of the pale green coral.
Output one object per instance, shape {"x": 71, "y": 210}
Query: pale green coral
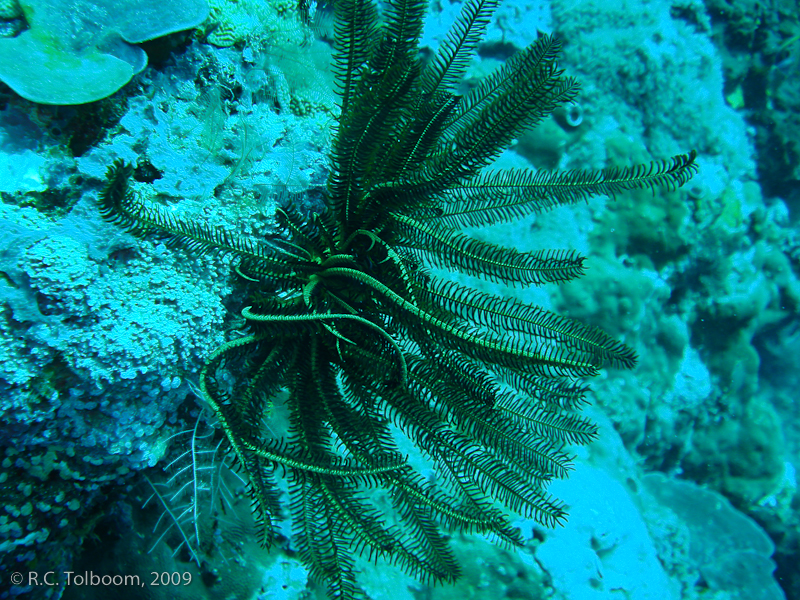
{"x": 79, "y": 51}
{"x": 730, "y": 551}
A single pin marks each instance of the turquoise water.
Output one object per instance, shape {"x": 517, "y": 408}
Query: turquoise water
{"x": 114, "y": 479}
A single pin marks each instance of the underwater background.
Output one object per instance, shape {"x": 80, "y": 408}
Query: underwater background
{"x": 110, "y": 465}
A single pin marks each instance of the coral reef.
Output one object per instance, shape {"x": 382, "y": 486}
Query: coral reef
{"x": 703, "y": 282}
